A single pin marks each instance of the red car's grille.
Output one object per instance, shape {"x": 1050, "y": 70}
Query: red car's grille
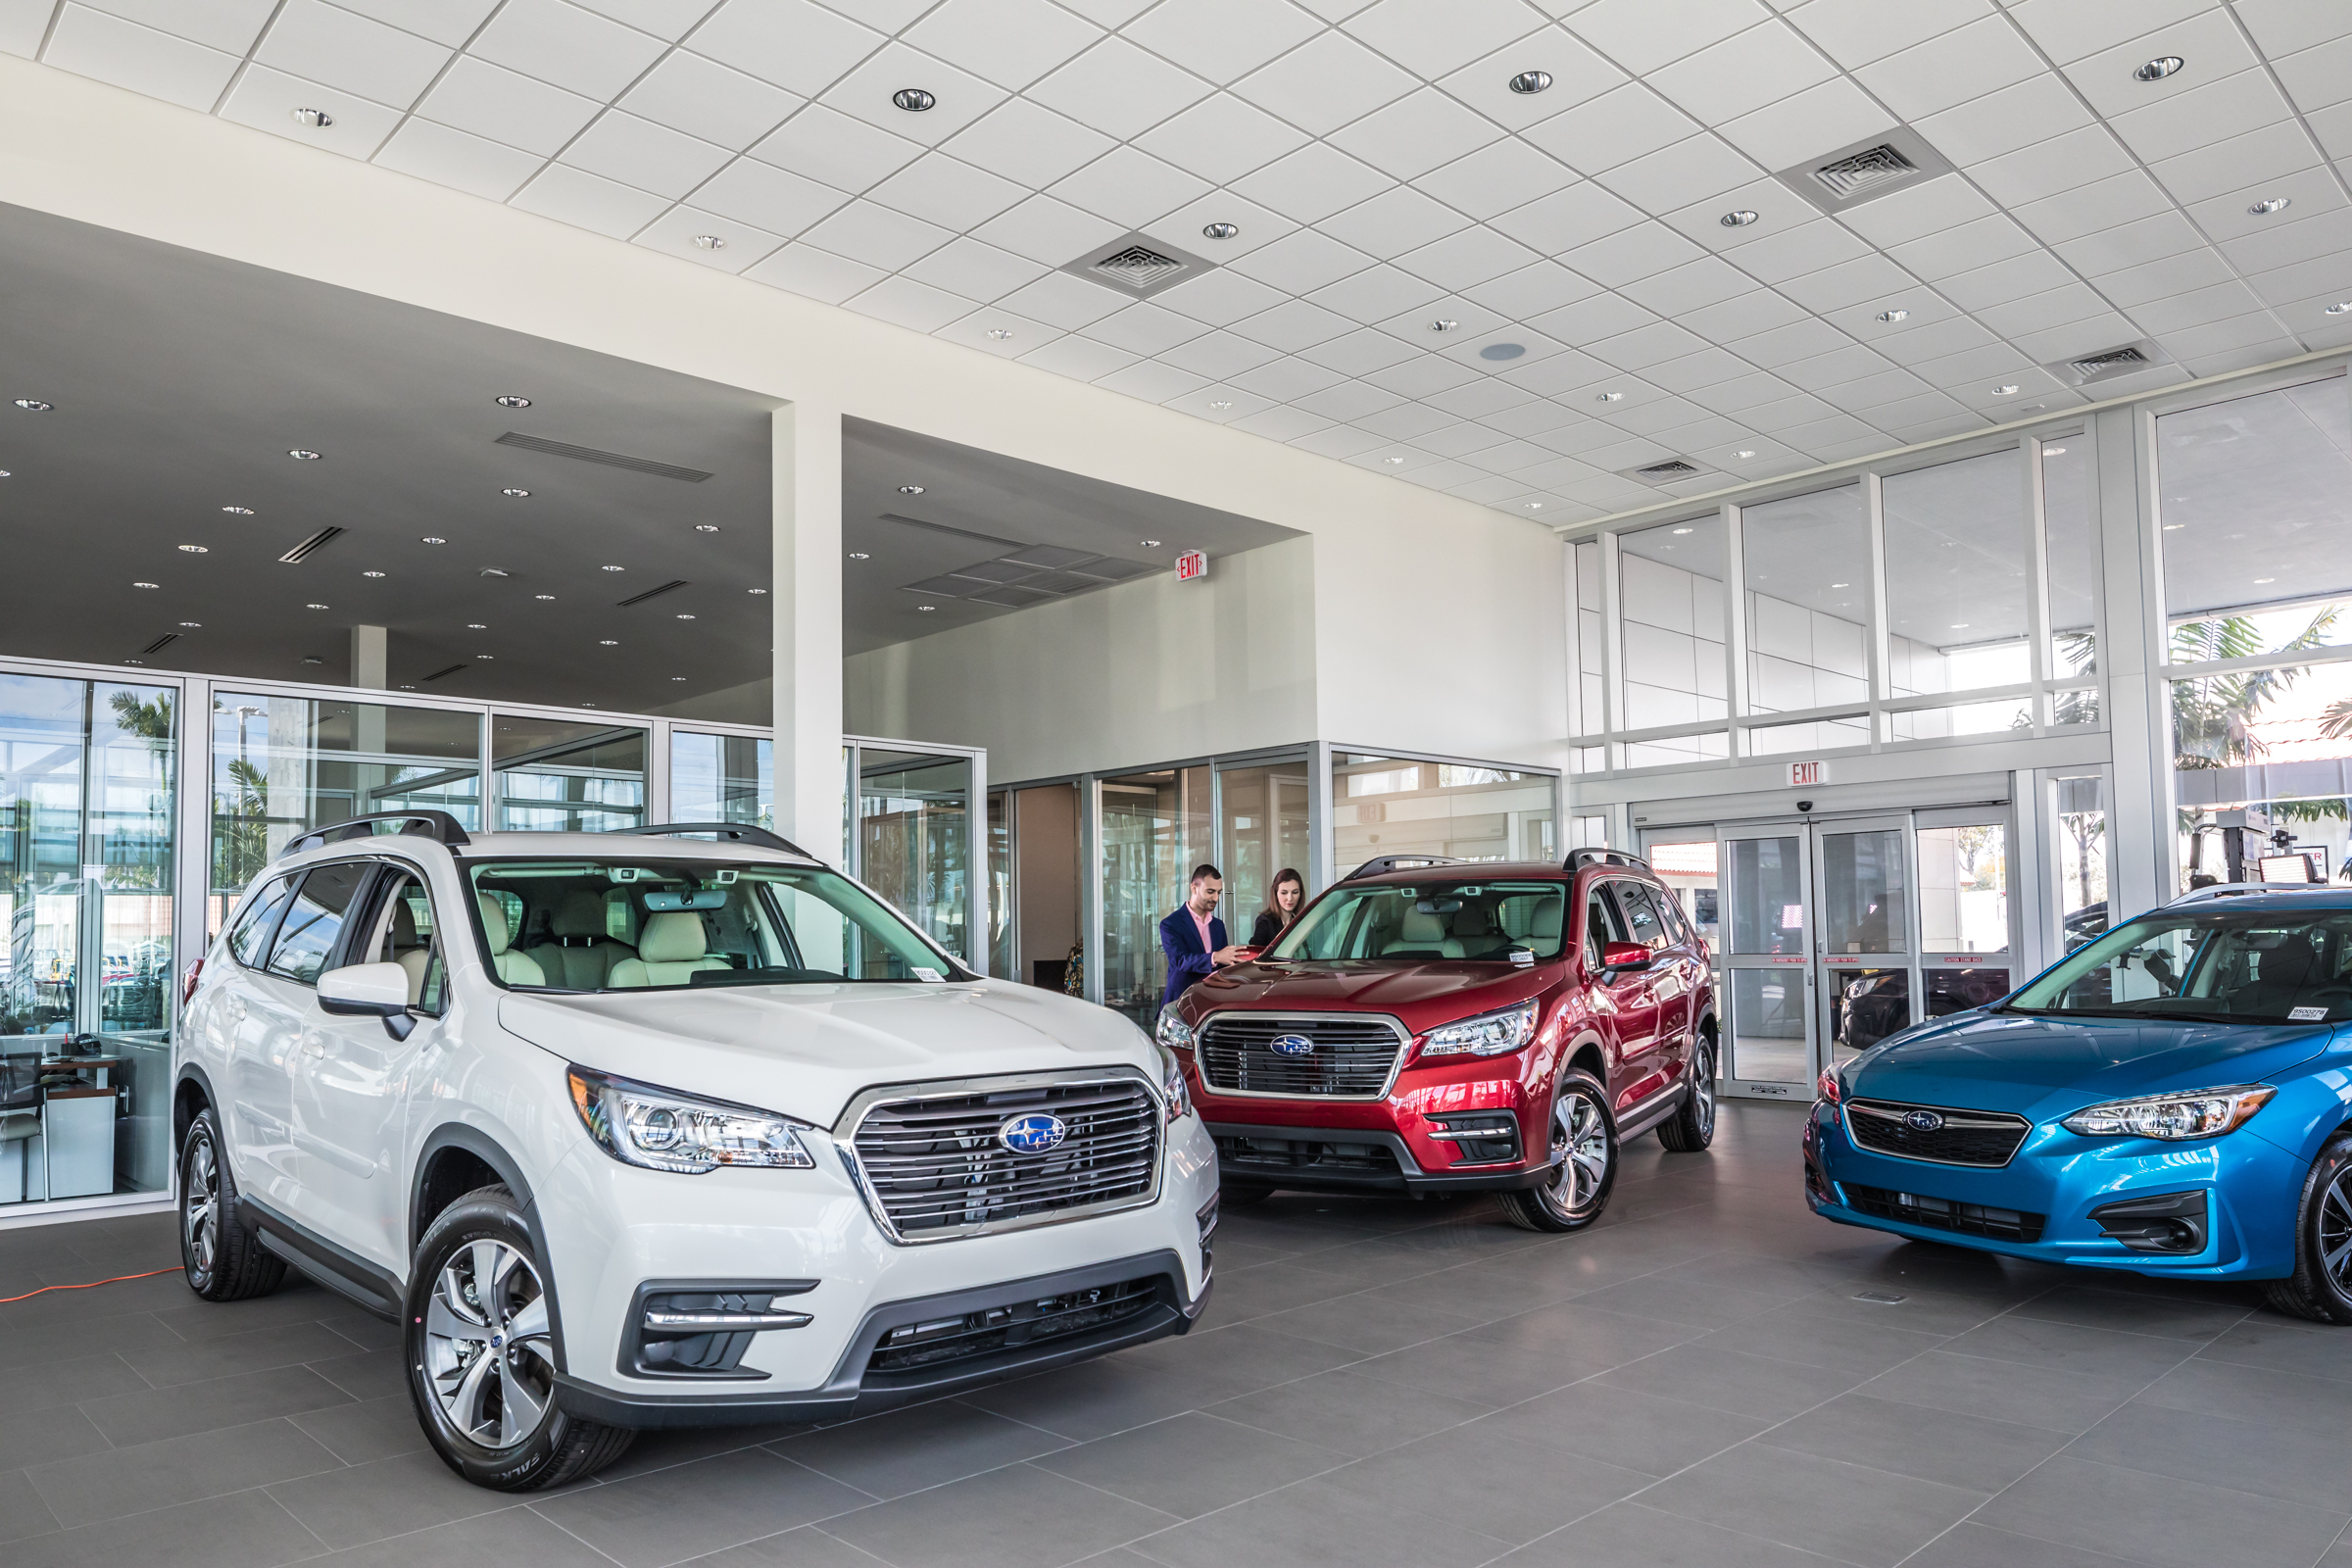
{"x": 1260, "y": 1054}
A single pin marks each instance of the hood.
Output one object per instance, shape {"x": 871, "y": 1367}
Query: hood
{"x": 807, "y": 1051}
{"x": 2045, "y": 1068}
{"x": 1422, "y": 995}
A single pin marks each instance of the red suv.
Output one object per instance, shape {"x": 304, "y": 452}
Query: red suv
{"x": 1443, "y": 1026}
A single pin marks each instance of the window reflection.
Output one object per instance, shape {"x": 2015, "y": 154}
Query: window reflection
{"x": 1958, "y": 536}
{"x": 1670, "y": 600}
{"x": 1391, "y": 805}
{"x": 1807, "y": 559}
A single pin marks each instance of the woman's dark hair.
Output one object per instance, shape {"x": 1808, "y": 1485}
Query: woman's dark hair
{"x": 1274, "y": 895}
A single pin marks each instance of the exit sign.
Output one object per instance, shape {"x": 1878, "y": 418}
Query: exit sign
{"x": 1191, "y": 565}
{"x": 1804, "y": 775}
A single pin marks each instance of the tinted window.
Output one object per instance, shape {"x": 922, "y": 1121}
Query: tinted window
{"x": 405, "y": 936}
{"x": 2208, "y": 964}
{"x": 315, "y": 921}
{"x": 1390, "y": 922}
{"x": 1641, "y": 917}
{"x": 1602, "y": 924}
{"x": 250, "y": 937}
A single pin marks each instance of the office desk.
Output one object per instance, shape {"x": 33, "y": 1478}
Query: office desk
{"x": 101, "y": 1065}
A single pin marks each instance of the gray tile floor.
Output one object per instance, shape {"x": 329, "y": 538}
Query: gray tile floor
{"x": 1375, "y": 1383}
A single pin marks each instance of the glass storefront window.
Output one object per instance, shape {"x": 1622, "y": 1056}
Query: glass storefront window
{"x": 1393, "y": 805}
{"x": 2262, "y": 764}
{"x": 2083, "y": 909}
{"x": 1958, "y": 538}
{"x": 1670, "y": 602}
{"x": 1690, "y": 869}
{"x": 1263, "y": 833}
{"x": 999, "y": 885}
{"x": 1816, "y": 735}
{"x": 1768, "y": 896}
{"x": 1807, "y": 559}
{"x": 1964, "y": 888}
{"x": 2007, "y": 715}
{"x": 559, "y": 775}
{"x": 722, "y": 778}
{"x": 915, "y": 815}
{"x": 1712, "y": 746}
{"x": 1591, "y": 716}
{"x": 1155, "y": 828}
{"x": 2069, "y": 540}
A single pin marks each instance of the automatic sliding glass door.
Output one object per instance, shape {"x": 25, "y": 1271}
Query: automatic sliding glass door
{"x": 1768, "y": 961}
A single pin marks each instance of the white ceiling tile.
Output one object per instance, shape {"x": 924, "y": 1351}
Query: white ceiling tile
{"x": 908, "y": 304}
{"x": 880, "y": 237}
{"x": 1292, "y": 325}
{"x": 2020, "y": 317}
{"x": 1693, "y": 169}
{"x": 1568, "y": 218}
{"x": 1528, "y": 292}
{"x": 2057, "y": 164}
{"x": 1460, "y": 440}
{"x": 1286, "y": 379}
{"x": 229, "y": 25}
{"x": 1219, "y": 298}
{"x": 2150, "y": 239}
{"x": 1468, "y": 259}
{"x": 947, "y": 191}
{"x": 664, "y": 18}
{"x": 1010, "y": 42}
{"x": 2321, "y": 234}
{"x": 2221, "y": 302}
{"x": 1708, "y": 280}
{"x": 883, "y": 16}
{"x": 705, "y": 99}
{"x": 1338, "y": 441}
{"x": 1218, "y": 355}
{"x": 2017, "y": 277}
{"x": 1965, "y": 249}
{"x": 1435, "y": 36}
{"x": 993, "y": 330}
{"x": 707, "y": 239}
{"x": 576, "y": 49}
{"x": 1657, "y": 341}
{"x": 1067, "y": 302}
{"x": 772, "y": 198}
{"x": 1416, "y": 134}
{"x": 1129, "y": 187}
{"x": 1404, "y": 421}
{"x": 1805, "y": 338}
{"x": 1693, "y": 371}
{"x": 1118, "y": 89}
{"x": 790, "y": 43}
{"x": 2191, "y": 344}
{"x": 1489, "y": 492}
{"x": 1743, "y": 315}
{"x": 1325, "y": 83}
{"x": 1393, "y": 222}
{"x": 266, "y": 99}
{"x": 2243, "y": 357}
{"x": 1496, "y": 178}
{"x": 959, "y": 98}
{"x": 2015, "y": 117}
{"x": 1741, "y": 394}
{"x": 1280, "y": 423}
{"x": 1614, "y": 128}
{"x": 2127, "y": 286}
{"x": 445, "y": 21}
{"x": 521, "y": 112}
{"x": 1633, "y": 253}
{"x": 576, "y": 197}
{"x": 1376, "y": 294}
{"x": 1428, "y": 376}
{"x": 1777, "y": 211}
{"x": 1363, "y": 352}
{"x": 1642, "y": 35}
{"x": 1928, "y": 208}
{"x": 2072, "y": 29}
{"x": 454, "y": 159}
{"x": 1577, "y": 75}
{"x": 1222, "y": 39}
{"x": 2104, "y": 203}
{"x": 1948, "y": 336}
{"x": 2312, "y": 191}
{"x": 2319, "y": 78}
{"x": 1220, "y": 139}
{"x": 1145, "y": 328}
{"x": 970, "y": 267}
{"x": 831, "y": 147}
{"x": 1590, "y": 320}
{"x": 1743, "y": 74}
{"x": 1855, "y": 32}
{"x": 23, "y": 23}
{"x": 91, "y": 43}
{"x": 1029, "y": 143}
{"x": 1806, "y": 124}
{"x": 2203, "y": 115}
{"x": 2240, "y": 162}
{"x": 818, "y": 274}
{"x": 2210, "y": 41}
{"x": 1966, "y": 63}
{"x": 2283, "y": 27}
{"x": 1312, "y": 183}
{"x": 1821, "y": 371}
{"x": 1187, "y": 227}
{"x": 1219, "y": 403}
{"x": 1417, "y": 324}
{"x": 637, "y": 152}
{"x": 1792, "y": 252}
{"x": 1301, "y": 263}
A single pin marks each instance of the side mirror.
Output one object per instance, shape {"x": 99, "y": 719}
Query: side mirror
{"x": 1624, "y": 955}
{"x": 363, "y": 990}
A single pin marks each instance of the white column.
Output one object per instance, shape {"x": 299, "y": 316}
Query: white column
{"x": 371, "y": 657}
{"x": 805, "y": 593}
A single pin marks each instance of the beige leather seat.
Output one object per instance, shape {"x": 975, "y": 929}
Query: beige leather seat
{"x": 407, "y": 951}
{"x": 515, "y": 968}
{"x": 669, "y": 950}
{"x": 583, "y": 956}
{"x": 1424, "y": 934}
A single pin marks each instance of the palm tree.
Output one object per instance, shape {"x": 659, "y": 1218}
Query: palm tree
{"x": 2213, "y": 717}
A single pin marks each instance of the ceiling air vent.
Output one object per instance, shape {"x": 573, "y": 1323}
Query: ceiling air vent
{"x": 651, "y": 593}
{"x": 2125, "y": 358}
{"x": 445, "y": 670}
{"x": 610, "y": 459}
{"x": 310, "y": 547}
{"x": 160, "y": 644}
{"x": 1665, "y": 471}
{"x": 1865, "y": 171}
{"x": 1137, "y": 264}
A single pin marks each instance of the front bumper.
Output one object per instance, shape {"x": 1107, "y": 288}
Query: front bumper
{"x": 2040, "y": 1205}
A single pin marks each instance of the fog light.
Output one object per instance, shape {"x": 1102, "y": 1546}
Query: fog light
{"x": 2162, "y": 1222}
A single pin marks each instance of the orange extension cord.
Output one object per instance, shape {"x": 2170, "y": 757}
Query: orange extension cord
{"x": 94, "y": 1285}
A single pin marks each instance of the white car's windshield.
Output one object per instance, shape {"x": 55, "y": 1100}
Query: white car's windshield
{"x": 633, "y": 924}
{"x": 1444, "y": 920}
{"x": 2208, "y": 965}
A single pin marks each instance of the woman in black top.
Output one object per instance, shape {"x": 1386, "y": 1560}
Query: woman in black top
{"x": 1284, "y": 900}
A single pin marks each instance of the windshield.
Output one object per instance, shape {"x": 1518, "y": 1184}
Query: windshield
{"x": 1441, "y": 919}
{"x": 652, "y": 924}
{"x": 2209, "y": 965}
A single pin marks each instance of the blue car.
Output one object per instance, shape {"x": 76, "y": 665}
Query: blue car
{"x": 2174, "y": 1099}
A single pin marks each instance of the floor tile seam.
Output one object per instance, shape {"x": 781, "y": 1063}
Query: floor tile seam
{"x": 1063, "y": 1438}
{"x": 2168, "y": 1338}
{"x": 876, "y": 1502}
{"x": 2257, "y": 1366}
{"x": 1451, "y": 1426}
{"x": 843, "y": 1540}
{"x": 210, "y": 1496}
{"x": 1595, "y": 1377}
{"x": 1749, "y": 1535}
{"x": 1345, "y": 1460}
{"x": 116, "y": 1451}
{"x": 720, "y": 1454}
{"x": 2217, "y": 1486}
{"x": 1137, "y": 1543}
{"x": 1116, "y": 1497}
{"x": 279, "y": 1504}
{"x": 533, "y": 1509}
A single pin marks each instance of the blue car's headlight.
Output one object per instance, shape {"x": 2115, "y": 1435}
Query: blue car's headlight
{"x": 2196, "y": 1113}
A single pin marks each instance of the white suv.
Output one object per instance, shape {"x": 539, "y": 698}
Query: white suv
{"x": 667, "y": 1130}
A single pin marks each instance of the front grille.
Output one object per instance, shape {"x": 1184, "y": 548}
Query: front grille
{"x": 1986, "y": 1137}
{"x": 1348, "y": 1057}
{"x": 997, "y": 1329}
{"x": 936, "y": 1168}
{"x": 1943, "y": 1214}
{"x": 1273, "y": 1157}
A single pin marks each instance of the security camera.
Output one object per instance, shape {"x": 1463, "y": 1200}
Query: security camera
{"x": 1804, "y": 806}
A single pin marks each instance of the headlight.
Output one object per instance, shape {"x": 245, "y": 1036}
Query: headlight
{"x": 1173, "y": 1031}
{"x": 638, "y": 1124}
{"x": 1489, "y": 1034}
{"x": 1171, "y": 1084}
{"x": 1829, "y": 1088}
{"x": 2197, "y": 1113}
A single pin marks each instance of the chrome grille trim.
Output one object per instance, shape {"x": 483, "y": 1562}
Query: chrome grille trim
{"x": 1224, "y": 1067}
{"x": 1967, "y": 1138}
{"x": 888, "y": 1141}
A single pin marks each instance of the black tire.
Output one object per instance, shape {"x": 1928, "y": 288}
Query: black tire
{"x": 222, "y": 1259}
{"x": 1692, "y": 1127}
{"x": 2323, "y": 1224}
{"x": 500, "y": 1427}
{"x": 1242, "y": 1194}
{"x": 1580, "y": 1120}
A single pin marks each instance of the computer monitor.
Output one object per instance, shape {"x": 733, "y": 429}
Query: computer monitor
{"x": 2295, "y": 868}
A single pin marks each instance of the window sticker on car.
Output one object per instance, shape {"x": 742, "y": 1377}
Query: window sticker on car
{"x": 2307, "y": 1014}
{"x": 931, "y": 975}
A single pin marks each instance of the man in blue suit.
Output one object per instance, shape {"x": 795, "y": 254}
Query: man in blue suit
{"x": 1194, "y": 938}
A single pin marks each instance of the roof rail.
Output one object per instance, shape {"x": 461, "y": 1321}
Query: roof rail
{"x": 439, "y": 826}
{"x": 1577, "y": 859}
{"x": 1382, "y": 864}
{"x": 725, "y": 832}
{"x": 2236, "y": 890}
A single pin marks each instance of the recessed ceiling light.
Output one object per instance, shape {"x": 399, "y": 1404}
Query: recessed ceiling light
{"x": 2258, "y": 582}
{"x": 4, "y": 473}
{"x": 238, "y": 512}
{"x": 2009, "y": 391}
{"x": 754, "y": 590}
{"x": 2271, "y": 204}
{"x": 2171, "y": 526}
{"x": 913, "y": 99}
{"x": 607, "y": 642}
{"x": 1531, "y": 82}
{"x": 926, "y": 607}
{"x": 2340, "y": 308}
{"x": 1502, "y": 351}
{"x": 1841, "y": 585}
{"x": 1222, "y": 402}
{"x": 2159, "y": 67}
{"x": 1681, "y": 531}
{"x": 194, "y": 549}
{"x": 616, "y": 568}
{"x": 514, "y": 399}
{"x": 372, "y": 575}
{"x": 910, "y": 489}
{"x": 516, "y": 492}
{"x": 1894, "y": 316}
{"x": 1444, "y": 325}
{"x": 708, "y": 242}
{"x": 485, "y": 656}
{"x": 199, "y": 625}
{"x": 433, "y": 539}
{"x": 1610, "y": 397}
{"x": 34, "y": 404}
{"x": 685, "y": 617}
{"x": 318, "y": 607}
{"x": 1744, "y": 453}
{"x": 408, "y": 688}
{"x": 1000, "y": 334}
{"x": 706, "y": 527}
{"x": 860, "y": 555}
{"x": 145, "y": 585}
{"x": 2053, "y": 452}
{"x": 491, "y": 572}
{"x": 303, "y": 454}
{"x": 1739, "y": 219}
{"x": 312, "y": 119}
{"x": 475, "y": 625}
{"x": 1391, "y": 459}
{"x": 1534, "y": 506}
{"x": 1149, "y": 544}
{"x": 1220, "y": 230}
{"x": 587, "y": 705}
{"x": 1959, "y": 625}
{"x": 550, "y": 597}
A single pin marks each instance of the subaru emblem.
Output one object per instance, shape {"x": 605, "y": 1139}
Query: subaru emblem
{"x": 1033, "y": 1134}
{"x": 1923, "y": 1122}
{"x": 1290, "y": 1045}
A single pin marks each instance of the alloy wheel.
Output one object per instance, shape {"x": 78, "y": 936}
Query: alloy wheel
{"x": 488, "y": 1350}
{"x": 1702, "y": 1072}
{"x": 200, "y": 1209}
{"x": 2336, "y": 1233}
{"x": 1580, "y": 1150}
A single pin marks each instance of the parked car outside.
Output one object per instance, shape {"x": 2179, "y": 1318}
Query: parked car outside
{"x": 1450, "y": 1027}
{"x": 771, "y": 1155}
{"x": 2171, "y": 1099}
